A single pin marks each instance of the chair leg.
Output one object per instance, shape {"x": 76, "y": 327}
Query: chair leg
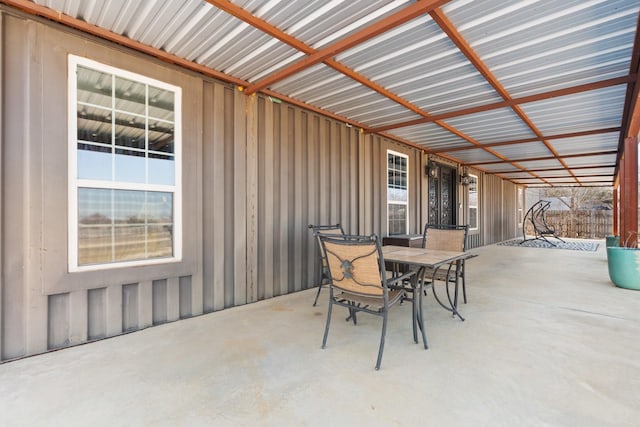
{"x": 384, "y": 331}
{"x": 315, "y": 301}
{"x": 420, "y": 320}
{"x": 326, "y": 329}
{"x": 464, "y": 290}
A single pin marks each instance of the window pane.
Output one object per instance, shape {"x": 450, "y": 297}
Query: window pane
{"x": 94, "y": 244}
{"x": 473, "y": 218}
{"x": 160, "y": 208}
{"x": 129, "y": 243}
{"x": 130, "y": 131}
{"x": 94, "y": 206}
{"x": 123, "y": 225}
{"x": 130, "y": 96}
{"x": 129, "y": 166}
{"x": 161, "y": 137}
{"x": 94, "y": 87}
{"x": 160, "y": 243}
{"x": 161, "y": 169}
{"x": 397, "y": 219}
{"x": 94, "y": 162}
{"x": 397, "y": 195}
{"x": 94, "y": 226}
{"x": 94, "y": 124}
{"x": 129, "y": 207}
{"x": 161, "y": 104}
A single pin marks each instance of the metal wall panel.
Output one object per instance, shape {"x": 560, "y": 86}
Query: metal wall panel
{"x": 97, "y": 308}
{"x": 185, "y": 297}
{"x": 256, "y": 173}
{"x": 58, "y": 321}
{"x": 159, "y": 301}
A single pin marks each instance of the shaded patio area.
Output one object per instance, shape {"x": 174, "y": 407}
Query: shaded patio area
{"x": 548, "y": 341}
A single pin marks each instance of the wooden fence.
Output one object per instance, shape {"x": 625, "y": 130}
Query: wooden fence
{"x": 591, "y": 224}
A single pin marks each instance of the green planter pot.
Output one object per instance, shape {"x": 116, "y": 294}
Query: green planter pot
{"x": 613, "y": 241}
{"x": 624, "y": 267}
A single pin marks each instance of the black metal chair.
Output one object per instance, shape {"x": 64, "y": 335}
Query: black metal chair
{"x": 328, "y": 230}
{"x": 452, "y": 238}
{"x": 357, "y": 280}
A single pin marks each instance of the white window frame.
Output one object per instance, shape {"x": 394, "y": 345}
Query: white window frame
{"x": 75, "y": 183}
{"x": 519, "y": 205}
{"x": 395, "y": 202}
{"x": 473, "y": 178}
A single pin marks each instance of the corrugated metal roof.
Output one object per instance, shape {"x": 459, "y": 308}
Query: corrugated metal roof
{"x": 431, "y": 136}
{"x": 523, "y": 151}
{"x": 540, "y": 164}
{"x": 469, "y": 63}
{"x": 587, "y": 144}
{"x": 535, "y": 46}
{"x": 597, "y": 109}
{"x": 475, "y": 155}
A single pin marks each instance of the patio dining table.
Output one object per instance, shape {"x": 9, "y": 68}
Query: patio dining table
{"x": 422, "y": 259}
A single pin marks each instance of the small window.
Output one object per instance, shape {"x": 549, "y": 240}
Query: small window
{"x": 124, "y": 168}
{"x": 473, "y": 202}
{"x": 397, "y": 193}
{"x": 520, "y": 196}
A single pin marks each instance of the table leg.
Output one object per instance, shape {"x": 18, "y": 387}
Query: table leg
{"x": 419, "y": 314}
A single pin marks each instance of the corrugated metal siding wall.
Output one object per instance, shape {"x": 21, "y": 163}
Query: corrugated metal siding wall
{"x": 255, "y": 174}
{"x": 497, "y": 210}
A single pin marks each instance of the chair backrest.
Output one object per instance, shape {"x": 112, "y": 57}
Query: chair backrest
{"x": 355, "y": 264}
{"x": 445, "y": 237}
{"x": 325, "y": 230}
{"x": 538, "y": 215}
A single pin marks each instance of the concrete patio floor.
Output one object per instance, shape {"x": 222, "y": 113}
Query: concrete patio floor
{"x": 548, "y": 341}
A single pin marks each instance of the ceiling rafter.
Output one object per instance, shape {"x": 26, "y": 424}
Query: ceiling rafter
{"x": 447, "y": 26}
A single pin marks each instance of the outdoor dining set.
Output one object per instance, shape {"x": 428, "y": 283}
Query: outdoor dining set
{"x": 365, "y": 276}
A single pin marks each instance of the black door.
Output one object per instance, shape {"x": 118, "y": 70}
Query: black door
{"x": 442, "y": 196}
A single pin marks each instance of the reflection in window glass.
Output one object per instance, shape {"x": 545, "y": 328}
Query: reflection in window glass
{"x": 123, "y": 225}
{"x": 130, "y": 96}
{"x": 126, "y": 166}
{"x": 397, "y": 193}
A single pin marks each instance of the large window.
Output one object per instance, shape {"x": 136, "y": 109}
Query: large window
{"x": 473, "y": 202}
{"x": 397, "y": 193}
{"x": 124, "y": 168}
